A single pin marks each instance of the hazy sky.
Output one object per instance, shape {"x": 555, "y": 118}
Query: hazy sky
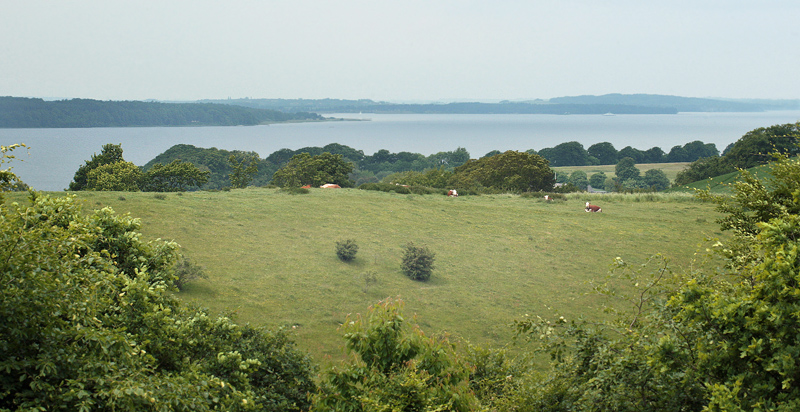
{"x": 398, "y": 50}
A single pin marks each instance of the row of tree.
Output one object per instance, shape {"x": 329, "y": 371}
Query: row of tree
{"x": 20, "y": 112}
{"x": 604, "y": 153}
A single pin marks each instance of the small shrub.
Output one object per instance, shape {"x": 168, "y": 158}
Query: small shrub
{"x": 187, "y": 271}
{"x": 417, "y": 262}
{"x": 122, "y": 198}
{"x": 346, "y": 249}
{"x": 160, "y": 196}
{"x": 370, "y": 278}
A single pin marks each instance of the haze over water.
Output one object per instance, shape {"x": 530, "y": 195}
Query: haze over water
{"x": 55, "y": 154}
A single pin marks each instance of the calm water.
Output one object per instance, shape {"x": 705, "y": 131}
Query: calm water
{"x": 55, "y": 154}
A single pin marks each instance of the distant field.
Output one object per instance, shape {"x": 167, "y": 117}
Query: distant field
{"x": 270, "y": 256}
{"x": 670, "y": 169}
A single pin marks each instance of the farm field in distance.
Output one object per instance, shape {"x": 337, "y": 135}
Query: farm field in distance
{"x": 270, "y": 256}
{"x": 671, "y": 170}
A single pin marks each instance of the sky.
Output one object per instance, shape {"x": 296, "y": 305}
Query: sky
{"x": 400, "y": 51}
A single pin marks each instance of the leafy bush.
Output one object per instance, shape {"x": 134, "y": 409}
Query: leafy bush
{"x": 395, "y": 368}
{"x": 187, "y": 271}
{"x": 346, "y": 249}
{"x": 417, "y": 262}
{"x": 89, "y": 324}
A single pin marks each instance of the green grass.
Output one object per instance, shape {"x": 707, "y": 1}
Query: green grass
{"x": 270, "y": 256}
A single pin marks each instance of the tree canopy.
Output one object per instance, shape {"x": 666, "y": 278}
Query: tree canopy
{"x": 304, "y": 169}
{"x": 512, "y": 170}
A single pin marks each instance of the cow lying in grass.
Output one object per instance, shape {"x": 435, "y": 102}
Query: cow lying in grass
{"x": 592, "y": 208}
{"x": 452, "y": 193}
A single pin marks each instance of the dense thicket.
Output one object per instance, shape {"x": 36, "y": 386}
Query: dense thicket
{"x": 110, "y": 171}
{"x": 20, "y": 112}
{"x": 89, "y": 323}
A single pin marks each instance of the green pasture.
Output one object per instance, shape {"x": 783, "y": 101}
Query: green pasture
{"x": 271, "y": 259}
{"x": 669, "y": 169}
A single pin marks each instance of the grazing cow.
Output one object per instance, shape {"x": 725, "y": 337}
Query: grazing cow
{"x": 592, "y": 208}
{"x": 330, "y": 186}
{"x": 452, "y": 193}
{"x": 548, "y": 198}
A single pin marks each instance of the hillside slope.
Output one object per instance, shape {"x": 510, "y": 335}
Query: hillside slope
{"x": 270, "y": 256}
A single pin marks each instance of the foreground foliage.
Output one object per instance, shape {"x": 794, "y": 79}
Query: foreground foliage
{"x": 395, "y": 367}
{"x": 89, "y": 324}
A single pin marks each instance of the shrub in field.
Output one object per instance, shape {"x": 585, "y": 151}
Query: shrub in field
{"x": 346, "y": 249}
{"x": 187, "y": 271}
{"x": 417, "y": 261}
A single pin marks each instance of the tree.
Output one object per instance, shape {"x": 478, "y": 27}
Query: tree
{"x": 677, "y": 154}
{"x": 579, "y": 179}
{"x": 598, "y": 180}
{"x": 177, "y": 176}
{"x": 513, "y": 171}
{"x": 626, "y": 169}
{"x": 243, "y": 170}
{"x": 8, "y": 180}
{"x": 654, "y": 155}
{"x": 605, "y": 153}
{"x": 394, "y": 367}
{"x": 755, "y": 146}
{"x": 111, "y": 153}
{"x": 120, "y": 176}
{"x": 304, "y": 169}
{"x": 656, "y": 179}
{"x": 635, "y": 154}
{"x": 566, "y": 154}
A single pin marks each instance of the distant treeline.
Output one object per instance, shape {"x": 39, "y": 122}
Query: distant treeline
{"x": 368, "y": 168}
{"x": 373, "y": 168}
{"x": 610, "y": 103}
{"x": 20, "y": 112}
{"x": 369, "y": 106}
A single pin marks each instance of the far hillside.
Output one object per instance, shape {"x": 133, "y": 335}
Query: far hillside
{"x": 20, "y": 112}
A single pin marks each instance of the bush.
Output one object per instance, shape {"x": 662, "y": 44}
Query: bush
{"x": 187, "y": 271}
{"x": 346, "y": 249}
{"x": 417, "y": 262}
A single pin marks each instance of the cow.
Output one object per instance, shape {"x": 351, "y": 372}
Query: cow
{"x": 592, "y": 208}
{"x": 331, "y": 186}
{"x": 547, "y": 198}
{"x": 452, "y": 193}
{"x": 306, "y": 187}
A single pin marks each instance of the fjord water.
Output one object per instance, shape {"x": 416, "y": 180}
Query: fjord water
{"x": 55, "y": 154}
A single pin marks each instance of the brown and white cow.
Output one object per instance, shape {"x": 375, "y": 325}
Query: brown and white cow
{"x": 452, "y": 193}
{"x": 592, "y": 208}
{"x": 330, "y": 186}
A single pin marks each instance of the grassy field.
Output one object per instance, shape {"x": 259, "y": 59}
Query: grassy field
{"x": 270, "y": 256}
{"x": 670, "y": 169}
